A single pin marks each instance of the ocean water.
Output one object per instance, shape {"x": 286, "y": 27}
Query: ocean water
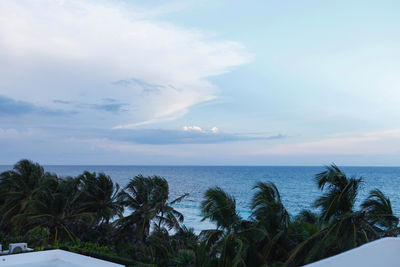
{"x": 296, "y": 184}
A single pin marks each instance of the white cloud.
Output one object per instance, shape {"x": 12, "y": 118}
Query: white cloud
{"x": 192, "y": 128}
{"x": 199, "y": 129}
{"x": 74, "y": 50}
{"x": 214, "y": 130}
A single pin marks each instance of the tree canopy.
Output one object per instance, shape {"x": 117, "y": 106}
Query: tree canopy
{"x": 138, "y": 225}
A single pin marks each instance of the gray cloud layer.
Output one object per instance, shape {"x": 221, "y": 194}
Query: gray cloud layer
{"x": 154, "y": 136}
{"x": 167, "y": 137}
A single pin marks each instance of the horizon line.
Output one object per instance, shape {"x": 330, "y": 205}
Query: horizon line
{"x": 198, "y": 165}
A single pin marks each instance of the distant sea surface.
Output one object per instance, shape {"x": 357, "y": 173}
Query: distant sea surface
{"x": 296, "y": 184}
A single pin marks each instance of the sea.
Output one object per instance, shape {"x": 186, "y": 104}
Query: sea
{"x": 296, "y": 184}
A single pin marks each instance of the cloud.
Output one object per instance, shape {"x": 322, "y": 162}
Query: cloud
{"x": 151, "y": 121}
{"x": 192, "y": 128}
{"x": 9, "y": 106}
{"x": 144, "y": 86}
{"x": 106, "y": 104}
{"x": 85, "y": 51}
{"x": 214, "y": 130}
{"x": 149, "y": 88}
{"x": 192, "y": 135}
{"x": 155, "y": 136}
{"x": 62, "y": 102}
{"x": 122, "y": 83}
{"x": 110, "y": 107}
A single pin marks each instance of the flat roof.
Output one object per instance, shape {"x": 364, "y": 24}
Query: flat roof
{"x": 383, "y": 252}
{"x": 53, "y": 258}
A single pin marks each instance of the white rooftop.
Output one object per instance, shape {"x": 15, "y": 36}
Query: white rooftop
{"x": 383, "y": 252}
{"x": 53, "y": 258}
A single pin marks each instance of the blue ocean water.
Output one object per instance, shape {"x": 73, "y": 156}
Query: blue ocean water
{"x": 296, "y": 184}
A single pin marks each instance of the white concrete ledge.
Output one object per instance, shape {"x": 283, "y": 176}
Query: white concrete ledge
{"x": 384, "y": 252}
{"x": 53, "y": 258}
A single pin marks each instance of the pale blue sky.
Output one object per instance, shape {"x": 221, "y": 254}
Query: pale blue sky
{"x": 200, "y": 82}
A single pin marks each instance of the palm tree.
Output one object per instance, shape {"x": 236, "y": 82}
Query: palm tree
{"x": 100, "y": 196}
{"x": 147, "y": 198}
{"x": 168, "y": 216}
{"x": 342, "y": 226}
{"x": 57, "y": 209}
{"x": 270, "y": 215}
{"x": 233, "y": 239}
{"x": 339, "y": 192}
{"x": 220, "y": 208}
{"x": 308, "y": 216}
{"x": 268, "y": 208}
{"x": 379, "y": 212}
{"x": 304, "y": 229}
{"x": 19, "y": 186}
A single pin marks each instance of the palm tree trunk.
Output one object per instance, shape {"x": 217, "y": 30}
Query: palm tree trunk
{"x": 55, "y": 236}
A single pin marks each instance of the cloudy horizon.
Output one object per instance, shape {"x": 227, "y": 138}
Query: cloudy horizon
{"x": 199, "y": 82}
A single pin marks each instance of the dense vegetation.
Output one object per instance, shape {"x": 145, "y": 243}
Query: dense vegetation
{"x": 85, "y": 214}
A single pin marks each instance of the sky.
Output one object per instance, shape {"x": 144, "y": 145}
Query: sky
{"x": 185, "y": 82}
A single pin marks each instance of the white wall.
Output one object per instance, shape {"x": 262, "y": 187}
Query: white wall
{"x": 384, "y": 252}
{"x": 52, "y": 256}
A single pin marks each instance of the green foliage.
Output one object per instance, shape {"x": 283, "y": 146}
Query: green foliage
{"x": 339, "y": 192}
{"x": 219, "y": 207}
{"x": 100, "y": 196}
{"x": 380, "y": 212}
{"x": 85, "y": 246}
{"x": 38, "y": 237}
{"x": 84, "y": 214}
{"x": 268, "y": 208}
{"x": 147, "y": 198}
